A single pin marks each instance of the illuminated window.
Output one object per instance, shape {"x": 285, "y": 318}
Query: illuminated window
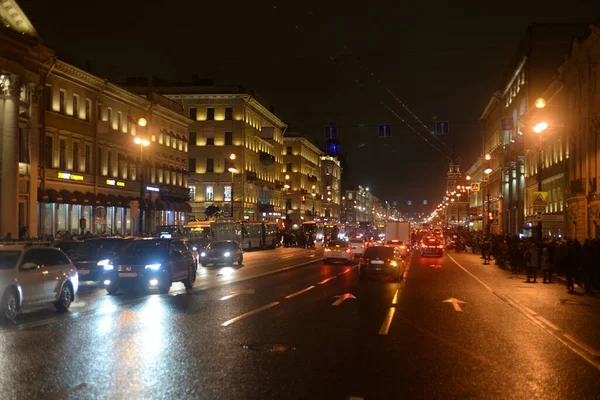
{"x": 192, "y": 192}
{"x": 227, "y": 193}
{"x": 209, "y": 193}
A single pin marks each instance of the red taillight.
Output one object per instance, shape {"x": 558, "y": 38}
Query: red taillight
{"x": 361, "y": 261}
{"x": 348, "y": 250}
{"x": 402, "y": 247}
{"x": 327, "y": 249}
{"x": 440, "y": 247}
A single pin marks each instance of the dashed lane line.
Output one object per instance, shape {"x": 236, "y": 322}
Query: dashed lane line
{"x": 249, "y": 313}
{"x": 385, "y": 326}
{"x": 299, "y": 292}
{"x": 326, "y": 280}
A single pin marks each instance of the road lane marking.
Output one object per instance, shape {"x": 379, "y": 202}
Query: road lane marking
{"x": 289, "y": 296}
{"x": 575, "y": 346}
{"x": 548, "y": 323}
{"x": 395, "y": 299}
{"x": 345, "y": 272}
{"x": 237, "y": 293}
{"x": 455, "y": 303}
{"x": 249, "y": 313}
{"x": 583, "y": 346}
{"x": 326, "y": 280}
{"x": 385, "y": 326}
{"x": 342, "y": 297}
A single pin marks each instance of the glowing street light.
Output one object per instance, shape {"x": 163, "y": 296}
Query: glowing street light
{"x": 142, "y": 122}
{"x": 488, "y": 157}
{"x": 468, "y": 177}
{"x": 540, "y": 127}
{"x": 540, "y": 103}
{"x": 487, "y": 171}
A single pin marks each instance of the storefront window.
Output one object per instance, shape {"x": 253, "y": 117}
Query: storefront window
{"x": 75, "y": 211}
{"x": 62, "y": 219}
{"x": 227, "y": 193}
{"x": 128, "y": 221}
{"x": 170, "y": 215}
{"x": 110, "y": 220}
{"x": 118, "y": 220}
{"x": 48, "y": 215}
{"x": 87, "y": 214}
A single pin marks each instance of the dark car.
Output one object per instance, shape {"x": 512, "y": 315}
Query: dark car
{"x": 69, "y": 247}
{"x": 91, "y": 256}
{"x": 431, "y": 246}
{"x": 222, "y": 252}
{"x": 382, "y": 260}
{"x": 151, "y": 263}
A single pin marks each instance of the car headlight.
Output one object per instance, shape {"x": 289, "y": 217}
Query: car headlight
{"x": 393, "y": 263}
{"x": 109, "y": 267}
{"x": 154, "y": 267}
{"x": 103, "y": 262}
{"x": 227, "y": 254}
{"x": 194, "y": 248}
{"x": 203, "y": 254}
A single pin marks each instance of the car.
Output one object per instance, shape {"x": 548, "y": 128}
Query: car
{"x": 93, "y": 254}
{"x": 338, "y": 250}
{"x": 431, "y": 246}
{"x": 358, "y": 244}
{"x": 194, "y": 250}
{"x": 151, "y": 263}
{"x": 32, "y": 276}
{"x": 399, "y": 244}
{"x": 222, "y": 252}
{"x": 69, "y": 247}
{"x": 385, "y": 260}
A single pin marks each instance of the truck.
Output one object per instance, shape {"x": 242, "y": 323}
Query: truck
{"x": 397, "y": 230}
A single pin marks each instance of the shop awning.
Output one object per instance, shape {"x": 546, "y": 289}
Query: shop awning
{"x": 42, "y": 195}
{"x": 187, "y": 207}
{"x": 169, "y": 205}
{"x": 81, "y": 198}
{"x": 112, "y": 200}
{"x": 160, "y": 205}
{"x": 54, "y": 196}
{"x": 122, "y": 201}
{"x": 151, "y": 205}
{"x": 68, "y": 196}
{"x": 92, "y": 199}
{"x": 102, "y": 199}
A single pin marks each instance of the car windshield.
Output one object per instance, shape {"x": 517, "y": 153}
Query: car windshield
{"x": 381, "y": 252}
{"x": 337, "y": 243}
{"x": 356, "y": 241}
{"x": 145, "y": 248}
{"x": 91, "y": 247}
{"x": 9, "y": 258}
{"x": 222, "y": 246}
{"x": 395, "y": 242}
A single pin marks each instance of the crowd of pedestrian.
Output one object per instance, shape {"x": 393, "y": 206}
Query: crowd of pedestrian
{"x": 577, "y": 262}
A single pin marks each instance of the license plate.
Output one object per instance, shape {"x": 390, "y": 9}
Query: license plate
{"x": 127, "y": 274}
{"x": 377, "y": 262}
{"x": 432, "y": 247}
{"x": 83, "y": 271}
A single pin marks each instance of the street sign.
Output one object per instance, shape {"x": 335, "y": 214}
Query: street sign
{"x": 331, "y": 132}
{"x": 385, "y": 130}
{"x": 495, "y": 213}
{"x": 133, "y": 208}
{"x": 442, "y": 128}
{"x": 475, "y": 186}
{"x": 495, "y": 221}
{"x": 507, "y": 124}
{"x": 539, "y": 201}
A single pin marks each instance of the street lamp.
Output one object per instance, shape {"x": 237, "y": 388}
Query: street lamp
{"x": 488, "y": 157}
{"x": 142, "y": 143}
{"x": 313, "y": 200}
{"x": 233, "y": 170}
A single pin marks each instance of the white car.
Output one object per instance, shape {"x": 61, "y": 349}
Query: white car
{"x": 400, "y": 246}
{"x": 358, "y": 245}
{"x": 32, "y": 276}
{"x": 338, "y": 250}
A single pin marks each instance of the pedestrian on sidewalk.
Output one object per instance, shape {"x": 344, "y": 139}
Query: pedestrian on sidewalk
{"x": 546, "y": 264}
{"x": 570, "y": 267}
{"x": 532, "y": 260}
{"x": 587, "y": 265}
{"x": 485, "y": 252}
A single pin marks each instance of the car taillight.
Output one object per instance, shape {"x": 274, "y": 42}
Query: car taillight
{"x": 361, "y": 261}
{"x": 440, "y": 247}
{"x": 347, "y": 250}
{"x": 402, "y": 247}
{"x": 327, "y": 249}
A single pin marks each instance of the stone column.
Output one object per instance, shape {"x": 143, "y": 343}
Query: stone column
{"x": 9, "y": 151}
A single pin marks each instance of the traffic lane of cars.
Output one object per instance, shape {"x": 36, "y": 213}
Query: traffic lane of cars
{"x": 92, "y": 297}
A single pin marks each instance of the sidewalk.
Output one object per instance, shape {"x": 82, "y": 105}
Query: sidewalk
{"x": 573, "y": 316}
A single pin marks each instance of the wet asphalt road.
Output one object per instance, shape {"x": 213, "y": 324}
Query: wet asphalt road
{"x": 279, "y": 336}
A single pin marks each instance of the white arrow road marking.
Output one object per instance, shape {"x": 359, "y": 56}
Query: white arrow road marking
{"x": 455, "y": 302}
{"x": 289, "y": 296}
{"x": 385, "y": 326}
{"x": 435, "y": 266}
{"x": 395, "y": 299}
{"x": 237, "y": 293}
{"x": 326, "y": 280}
{"x": 341, "y": 298}
{"x": 236, "y": 319}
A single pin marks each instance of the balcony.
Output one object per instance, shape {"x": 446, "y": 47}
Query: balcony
{"x": 251, "y": 176}
{"x": 266, "y": 159}
{"x": 312, "y": 178}
{"x": 577, "y": 186}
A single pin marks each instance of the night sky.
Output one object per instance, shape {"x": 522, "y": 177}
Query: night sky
{"x": 320, "y": 62}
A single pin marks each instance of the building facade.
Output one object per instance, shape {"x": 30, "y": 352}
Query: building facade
{"x": 331, "y": 177}
{"x": 68, "y": 146}
{"x": 302, "y": 172}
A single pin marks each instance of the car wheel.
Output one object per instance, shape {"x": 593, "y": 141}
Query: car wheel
{"x": 66, "y": 297}
{"x": 240, "y": 261}
{"x": 189, "y": 281}
{"x": 165, "y": 284}
{"x": 112, "y": 288}
{"x": 10, "y": 305}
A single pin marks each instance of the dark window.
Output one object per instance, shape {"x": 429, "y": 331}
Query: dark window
{"x": 228, "y": 138}
{"x": 289, "y": 150}
{"x": 193, "y": 113}
{"x": 210, "y": 114}
{"x": 76, "y": 106}
{"x": 192, "y": 165}
{"x": 192, "y": 138}
{"x": 88, "y": 109}
{"x": 178, "y": 247}
{"x": 99, "y": 112}
{"x": 288, "y": 167}
{"x": 75, "y": 156}
{"x": 210, "y": 165}
{"x": 88, "y": 158}
{"x": 49, "y": 99}
{"x": 35, "y": 256}
{"x": 24, "y": 145}
{"x": 48, "y": 152}
{"x": 228, "y": 113}
{"x": 99, "y": 161}
{"x": 110, "y": 119}
{"x": 63, "y": 101}
{"x": 210, "y": 141}
{"x": 109, "y": 163}
{"x": 62, "y": 155}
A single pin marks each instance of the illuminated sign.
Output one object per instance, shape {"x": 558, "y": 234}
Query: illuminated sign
{"x": 113, "y": 182}
{"x": 72, "y": 177}
{"x": 152, "y": 189}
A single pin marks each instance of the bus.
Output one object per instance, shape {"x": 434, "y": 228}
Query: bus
{"x": 249, "y": 235}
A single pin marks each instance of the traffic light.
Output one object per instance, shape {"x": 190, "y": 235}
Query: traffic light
{"x": 490, "y": 216}
{"x": 303, "y": 199}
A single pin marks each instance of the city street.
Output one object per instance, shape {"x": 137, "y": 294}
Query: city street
{"x": 449, "y": 329}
